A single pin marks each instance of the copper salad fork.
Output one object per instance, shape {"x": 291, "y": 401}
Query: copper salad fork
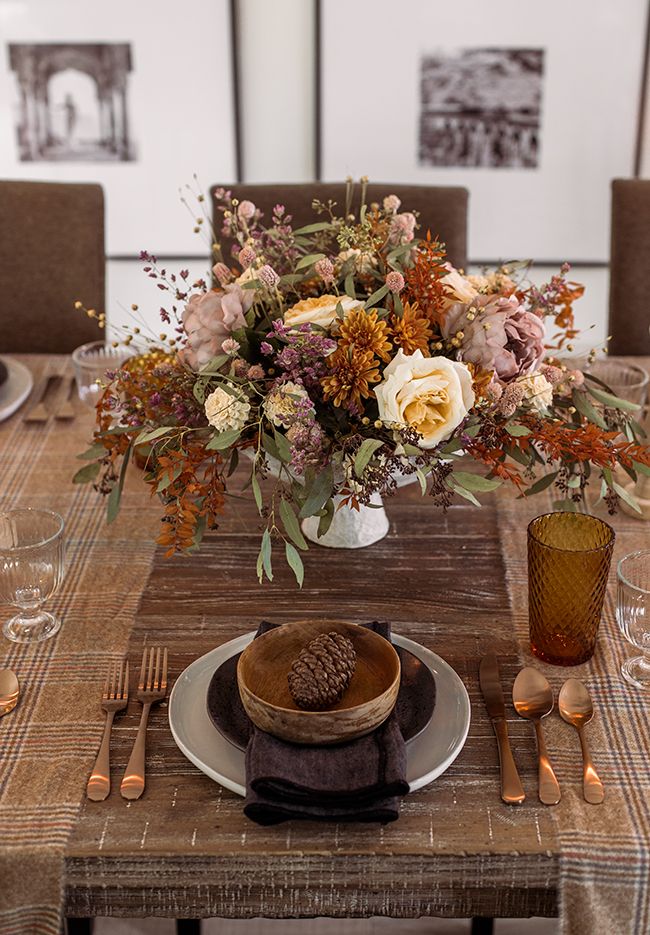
{"x": 114, "y": 698}
{"x": 152, "y": 687}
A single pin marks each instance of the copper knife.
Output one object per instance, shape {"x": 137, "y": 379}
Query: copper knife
{"x": 512, "y": 790}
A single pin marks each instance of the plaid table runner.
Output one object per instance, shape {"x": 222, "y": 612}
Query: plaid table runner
{"x": 604, "y": 849}
{"x": 48, "y": 743}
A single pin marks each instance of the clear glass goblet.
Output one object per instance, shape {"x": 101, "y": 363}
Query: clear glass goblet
{"x": 31, "y": 569}
{"x": 90, "y": 362}
{"x": 633, "y": 614}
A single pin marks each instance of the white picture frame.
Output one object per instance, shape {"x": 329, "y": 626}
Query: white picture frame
{"x": 140, "y": 98}
{"x": 556, "y": 207}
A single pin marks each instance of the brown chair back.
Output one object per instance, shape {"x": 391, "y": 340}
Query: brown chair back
{"x": 442, "y": 209}
{"x": 629, "y": 285}
{"x": 51, "y": 254}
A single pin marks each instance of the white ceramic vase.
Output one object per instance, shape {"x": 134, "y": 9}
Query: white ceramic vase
{"x": 350, "y": 528}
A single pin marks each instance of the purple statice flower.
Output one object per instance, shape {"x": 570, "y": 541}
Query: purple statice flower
{"x": 307, "y": 441}
{"x": 266, "y": 348}
{"x": 303, "y": 358}
{"x": 154, "y": 399}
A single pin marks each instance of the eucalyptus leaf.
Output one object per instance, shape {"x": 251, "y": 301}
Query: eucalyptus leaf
{"x": 113, "y": 505}
{"x": 309, "y": 260}
{"x": 319, "y": 492}
{"x": 223, "y": 440}
{"x": 614, "y": 402}
{"x": 457, "y": 488}
{"x": 313, "y": 228}
{"x": 325, "y": 521}
{"x": 629, "y": 498}
{"x": 641, "y": 468}
{"x": 87, "y": 473}
{"x": 295, "y": 563}
{"x": 364, "y": 454}
{"x": 541, "y": 484}
{"x": 96, "y": 450}
{"x": 291, "y": 525}
{"x": 584, "y": 407}
{"x": 257, "y": 493}
{"x": 150, "y": 435}
{"x": 283, "y": 446}
{"x": 517, "y": 430}
{"x": 476, "y": 482}
{"x": 213, "y": 365}
{"x": 423, "y": 481}
{"x": 349, "y": 286}
{"x": 266, "y": 554}
{"x": 376, "y": 296}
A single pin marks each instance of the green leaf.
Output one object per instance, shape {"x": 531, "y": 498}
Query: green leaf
{"x": 259, "y": 566}
{"x": 257, "y": 493}
{"x": 295, "y": 562}
{"x": 270, "y": 447}
{"x": 113, "y": 505}
{"x": 476, "y": 482}
{"x": 451, "y": 483}
{"x": 313, "y": 228}
{"x": 290, "y": 523}
{"x": 223, "y": 440}
{"x": 87, "y": 473}
{"x": 266, "y": 554}
{"x": 641, "y": 468}
{"x": 252, "y": 284}
{"x": 234, "y": 461}
{"x": 629, "y": 498}
{"x": 325, "y": 521}
{"x": 399, "y": 308}
{"x": 364, "y": 454}
{"x": 423, "y": 481}
{"x": 541, "y": 484}
{"x": 376, "y": 296}
{"x": 516, "y": 430}
{"x": 613, "y": 402}
{"x": 349, "y": 286}
{"x": 96, "y": 450}
{"x": 573, "y": 481}
{"x": 319, "y": 493}
{"x": 585, "y": 408}
{"x": 284, "y": 448}
{"x": 213, "y": 365}
{"x": 309, "y": 260}
{"x": 150, "y": 435}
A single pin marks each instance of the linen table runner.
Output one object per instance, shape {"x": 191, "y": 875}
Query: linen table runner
{"x": 604, "y": 849}
{"x": 49, "y": 742}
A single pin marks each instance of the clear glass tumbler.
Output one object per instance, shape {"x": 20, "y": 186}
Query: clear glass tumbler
{"x": 569, "y": 555}
{"x": 90, "y": 362}
{"x": 633, "y": 614}
{"x": 31, "y": 569}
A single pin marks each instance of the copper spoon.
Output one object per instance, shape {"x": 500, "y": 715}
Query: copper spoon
{"x": 9, "y": 691}
{"x": 576, "y": 709}
{"x": 533, "y": 699}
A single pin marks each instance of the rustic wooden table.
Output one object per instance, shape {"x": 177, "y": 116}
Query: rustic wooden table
{"x": 186, "y": 850}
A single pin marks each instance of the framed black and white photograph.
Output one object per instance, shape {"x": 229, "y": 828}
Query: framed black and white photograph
{"x": 532, "y": 114}
{"x": 142, "y": 111}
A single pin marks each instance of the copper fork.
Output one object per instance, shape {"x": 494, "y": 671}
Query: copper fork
{"x": 152, "y": 687}
{"x": 114, "y": 698}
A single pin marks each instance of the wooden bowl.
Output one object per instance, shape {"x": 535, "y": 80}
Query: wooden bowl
{"x": 370, "y": 697}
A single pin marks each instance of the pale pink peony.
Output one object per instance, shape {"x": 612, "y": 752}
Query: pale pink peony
{"x": 208, "y": 320}
{"x": 391, "y": 204}
{"x": 246, "y": 210}
{"x": 502, "y": 336}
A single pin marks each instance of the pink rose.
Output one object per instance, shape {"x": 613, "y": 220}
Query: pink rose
{"x": 208, "y": 320}
{"x": 499, "y": 335}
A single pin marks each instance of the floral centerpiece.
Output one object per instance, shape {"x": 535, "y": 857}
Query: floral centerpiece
{"x": 342, "y": 358}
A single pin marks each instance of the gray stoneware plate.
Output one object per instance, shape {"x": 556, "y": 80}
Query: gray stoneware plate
{"x": 428, "y": 755}
{"x": 15, "y": 389}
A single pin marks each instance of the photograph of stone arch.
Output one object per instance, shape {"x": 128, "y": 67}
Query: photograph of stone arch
{"x": 72, "y": 101}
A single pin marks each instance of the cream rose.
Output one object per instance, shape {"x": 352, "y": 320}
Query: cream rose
{"x": 225, "y": 411}
{"x": 461, "y": 289}
{"x": 431, "y": 394}
{"x": 320, "y": 311}
{"x": 538, "y": 392}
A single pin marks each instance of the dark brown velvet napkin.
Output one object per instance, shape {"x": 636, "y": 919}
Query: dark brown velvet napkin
{"x": 357, "y": 781}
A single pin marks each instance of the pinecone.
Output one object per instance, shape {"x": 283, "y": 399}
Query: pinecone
{"x": 322, "y": 671}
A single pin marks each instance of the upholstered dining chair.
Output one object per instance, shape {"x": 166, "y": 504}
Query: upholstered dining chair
{"x": 629, "y": 288}
{"x": 442, "y": 209}
{"x": 51, "y": 254}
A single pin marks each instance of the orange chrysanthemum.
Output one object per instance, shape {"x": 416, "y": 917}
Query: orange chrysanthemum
{"x": 353, "y": 370}
{"x": 412, "y": 332}
{"x": 365, "y": 332}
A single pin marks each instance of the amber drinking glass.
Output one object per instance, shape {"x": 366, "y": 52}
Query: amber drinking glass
{"x": 569, "y": 555}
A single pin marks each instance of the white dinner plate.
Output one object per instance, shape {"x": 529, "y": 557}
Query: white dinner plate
{"x": 16, "y": 388}
{"x": 428, "y": 755}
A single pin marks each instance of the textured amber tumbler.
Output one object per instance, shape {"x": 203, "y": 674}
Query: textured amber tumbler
{"x": 569, "y": 555}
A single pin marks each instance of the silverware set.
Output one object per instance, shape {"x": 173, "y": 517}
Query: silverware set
{"x": 533, "y": 700}
{"x": 152, "y": 688}
{"x": 61, "y": 409}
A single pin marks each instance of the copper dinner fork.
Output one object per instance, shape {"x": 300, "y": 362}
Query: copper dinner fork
{"x": 152, "y": 687}
{"x": 114, "y": 698}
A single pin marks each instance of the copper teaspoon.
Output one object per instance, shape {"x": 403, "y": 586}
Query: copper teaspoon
{"x": 533, "y": 699}
{"x": 9, "y": 691}
{"x": 576, "y": 709}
